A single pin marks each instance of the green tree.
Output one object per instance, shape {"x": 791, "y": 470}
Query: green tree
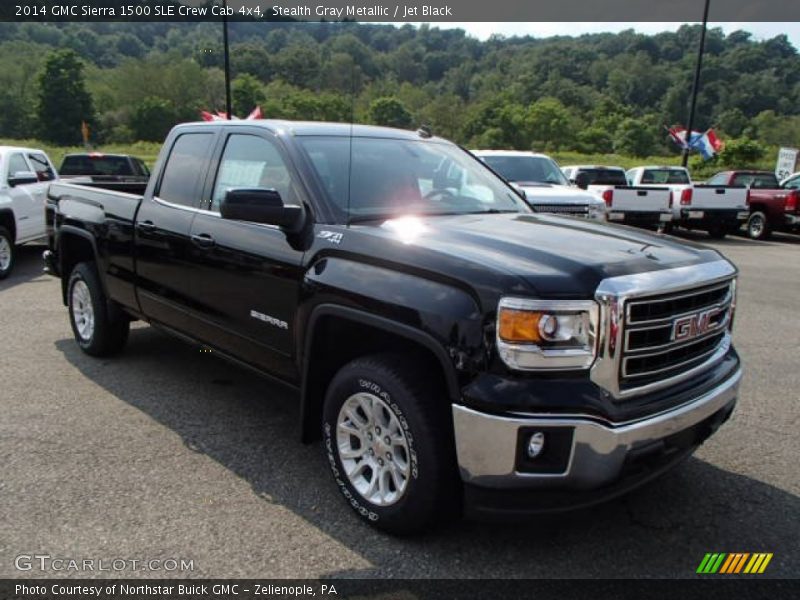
{"x": 550, "y": 124}
{"x": 390, "y": 112}
{"x": 63, "y": 102}
{"x": 741, "y": 153}
{"x": 152, "y": 119}
{"x": 635, "y": 138}
{"x": 246, "y": 94}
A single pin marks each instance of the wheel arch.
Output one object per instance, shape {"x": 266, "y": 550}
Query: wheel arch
{"x": 366, "y": 334}
{"x": 75, "y": 246}
{"x": 8, "y": 221}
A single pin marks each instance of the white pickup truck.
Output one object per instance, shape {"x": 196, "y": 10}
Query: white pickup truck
{"x": 24, "y": 176}
{"x": 544, "y": 185}
{"x": 717, "y": 209}
{"x": 633, "y": 205}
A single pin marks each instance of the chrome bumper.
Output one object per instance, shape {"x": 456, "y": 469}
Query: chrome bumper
{"x": 487, "y": 445}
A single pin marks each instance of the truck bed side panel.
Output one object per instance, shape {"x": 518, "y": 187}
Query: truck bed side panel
{"x": 108, "y": 219}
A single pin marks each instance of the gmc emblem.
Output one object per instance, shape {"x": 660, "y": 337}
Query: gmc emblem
{"x": 692, "y": 326}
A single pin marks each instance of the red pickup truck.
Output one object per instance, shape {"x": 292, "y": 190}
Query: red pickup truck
{"x": 772, "y": 207}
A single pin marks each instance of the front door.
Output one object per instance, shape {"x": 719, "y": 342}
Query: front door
{"x": 247, "y": 275}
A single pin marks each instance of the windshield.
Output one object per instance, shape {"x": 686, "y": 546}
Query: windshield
{"x": 605, "y": 176}
{"x": 527, "y": 169}
{"x": 392, "y": 177}
{"x": 677, "y": 176}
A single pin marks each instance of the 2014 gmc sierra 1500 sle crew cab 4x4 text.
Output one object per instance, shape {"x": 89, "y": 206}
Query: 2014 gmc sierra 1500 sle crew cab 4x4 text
{"x": 453, "y": 348}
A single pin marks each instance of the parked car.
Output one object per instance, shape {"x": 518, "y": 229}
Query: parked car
{"x": 24, "y": 176}
{"x": 451, "y": 347}
{"x": 544, "y": 185}
{"x": 716, "y": 209}
{"x": 792, "y": 182}
{"x": 110, "y": 171}
{"x": 773, "y": 207}
{"x": 632, "y": 205}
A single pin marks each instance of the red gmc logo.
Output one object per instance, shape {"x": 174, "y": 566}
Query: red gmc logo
{"x": 692, "y": 326}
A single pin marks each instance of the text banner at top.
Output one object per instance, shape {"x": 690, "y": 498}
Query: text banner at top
{"x": 407, "y": 11}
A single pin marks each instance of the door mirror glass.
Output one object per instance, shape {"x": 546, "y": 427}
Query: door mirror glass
{"x": 261, "y": 205}
{"x": 22, "y": 178}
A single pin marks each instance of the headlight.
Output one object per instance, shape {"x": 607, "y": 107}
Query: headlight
{"x": 597, "y": 211}
{"x": 546, "y": 334}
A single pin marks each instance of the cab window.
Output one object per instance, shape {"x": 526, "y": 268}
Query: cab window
{"x": 250, "y": 161}
{"x": 17, "y": 164}
{"x": 185, "y": 169}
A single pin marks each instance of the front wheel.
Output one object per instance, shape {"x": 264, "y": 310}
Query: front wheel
{"x": 389, "y": 443}
{"x": 758, "y": 226}
{"x": 6, "y": 253}
{"x": 99, "y": 326}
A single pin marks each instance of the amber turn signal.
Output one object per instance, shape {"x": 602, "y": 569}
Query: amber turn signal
{"x": 519, "y": 326}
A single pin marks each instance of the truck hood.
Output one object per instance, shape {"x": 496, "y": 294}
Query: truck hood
{"x": 547, "y": 193}
{"x": 546, "y": 255}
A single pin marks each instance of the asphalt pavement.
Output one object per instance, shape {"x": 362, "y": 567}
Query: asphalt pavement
{"x": 167, "y": 452}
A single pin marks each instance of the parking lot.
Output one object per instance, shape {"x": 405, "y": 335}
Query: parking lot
{"x": 170, "y": 452}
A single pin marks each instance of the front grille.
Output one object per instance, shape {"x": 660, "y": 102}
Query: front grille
{"x": 668, "y": 334}
{"x": 563, "y": 209}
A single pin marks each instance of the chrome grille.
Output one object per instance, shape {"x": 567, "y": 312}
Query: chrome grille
{"x": 666, "y": 335}
{"x": 563, "y": 209}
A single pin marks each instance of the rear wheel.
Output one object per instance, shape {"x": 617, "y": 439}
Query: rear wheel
{"x": 7, "y": 252}
{"x": 389, "y": 443}
{"x": 99, "y": 326}
{"x": 758, "y": 226}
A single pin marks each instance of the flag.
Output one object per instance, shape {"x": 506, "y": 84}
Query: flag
{"x": 207, "y": 116}
{"x": 256, "y": 114}
{"x": 706, "y": 143}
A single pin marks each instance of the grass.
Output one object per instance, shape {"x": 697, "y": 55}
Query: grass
{"x": 147, "y": 151}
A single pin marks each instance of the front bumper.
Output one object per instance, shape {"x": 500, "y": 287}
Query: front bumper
{"x": 491, "y": 455}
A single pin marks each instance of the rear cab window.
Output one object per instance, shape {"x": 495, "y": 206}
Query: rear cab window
{"x": 600, "y": 176}
{"x": 185, "y": 169}
{"x": 666, "y": 176}
{"x": 757, "y": 181}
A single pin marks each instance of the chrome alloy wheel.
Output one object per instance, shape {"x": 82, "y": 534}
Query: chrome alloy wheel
{"x": 756, "y": 226}
{"x": 82, "y": 310}
{"x": 373, "y": 449}
{"x": 5, "y": 254}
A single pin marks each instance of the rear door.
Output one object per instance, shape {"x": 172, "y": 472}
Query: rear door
{"x": 163, "y": 224}
{"x": 45, "y": 172}
{"x": 247, "y": 275}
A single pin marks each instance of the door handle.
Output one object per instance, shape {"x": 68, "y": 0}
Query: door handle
{"x": 146, "y": 226}
{"x": 203, "y": 240}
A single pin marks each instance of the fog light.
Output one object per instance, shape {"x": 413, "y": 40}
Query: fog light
{"x": 535, "y": 444}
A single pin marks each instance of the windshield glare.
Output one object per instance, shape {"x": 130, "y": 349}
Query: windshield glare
{"x": 392, "y": 177}
{"x": 527, "y": 169}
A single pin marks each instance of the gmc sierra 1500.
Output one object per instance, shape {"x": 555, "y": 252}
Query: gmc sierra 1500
{"x": 453, "y": 348}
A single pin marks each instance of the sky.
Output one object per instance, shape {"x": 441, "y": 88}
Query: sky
{"x": 484, "y": 30}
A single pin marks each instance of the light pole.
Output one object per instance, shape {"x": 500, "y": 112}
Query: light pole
{"x": 228, "y": 108}
{"x": 696, "y": 85}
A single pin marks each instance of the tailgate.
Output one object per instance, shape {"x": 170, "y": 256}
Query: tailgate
{"x": 719, "y": 197}
{"x": 641, "y": 199}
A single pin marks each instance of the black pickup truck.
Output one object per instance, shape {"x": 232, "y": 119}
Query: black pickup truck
{"x": 455, "y": 350}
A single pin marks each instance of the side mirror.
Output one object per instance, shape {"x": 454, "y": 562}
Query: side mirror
{"x": 582, "y": 180}
{"x": 261, "y": 205}
{"x": 22, "y": 178}
{"x": 520, "y": 192}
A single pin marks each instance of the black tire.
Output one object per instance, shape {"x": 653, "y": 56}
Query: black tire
{"x": 8, "y": 242}
{"x": 110, "y": 325}
{"x": 717, "y": 231}
{"x": 667, "y": 228}
{"x": 758, "y": 226}
{"x": 432, "y": 492}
